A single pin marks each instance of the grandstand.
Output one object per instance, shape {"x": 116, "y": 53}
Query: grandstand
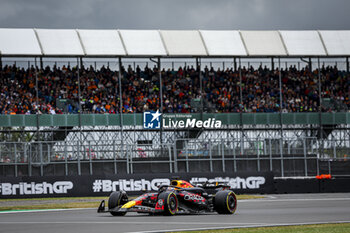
{"x": 288, "y": 114}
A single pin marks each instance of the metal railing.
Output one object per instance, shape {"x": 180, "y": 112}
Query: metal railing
{"x": 284, "y": 157}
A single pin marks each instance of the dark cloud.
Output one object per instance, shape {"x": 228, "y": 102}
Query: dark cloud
{"x": 176, "y": 14}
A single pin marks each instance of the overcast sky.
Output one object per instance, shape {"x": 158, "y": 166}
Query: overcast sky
{"x": 176, "y": 14}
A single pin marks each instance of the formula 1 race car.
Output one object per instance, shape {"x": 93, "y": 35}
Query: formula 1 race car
{"x": 180, "y": 197}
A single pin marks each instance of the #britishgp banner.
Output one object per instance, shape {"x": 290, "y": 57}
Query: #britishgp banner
{"x": 133, "y": 184}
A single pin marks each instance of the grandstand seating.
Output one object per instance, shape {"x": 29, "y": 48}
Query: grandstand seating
{"x": 58, "y": 90}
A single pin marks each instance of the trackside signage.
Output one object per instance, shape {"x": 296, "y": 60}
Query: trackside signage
{"x": 133, "y": 184}
{"x": 24, "y": 188}
{"x": 156, "y": 120}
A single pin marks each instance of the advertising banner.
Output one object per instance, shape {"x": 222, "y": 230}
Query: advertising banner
{"x": 133, "y": 184}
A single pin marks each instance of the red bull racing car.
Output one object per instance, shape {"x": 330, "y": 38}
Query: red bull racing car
{"x": 180, "y": 197}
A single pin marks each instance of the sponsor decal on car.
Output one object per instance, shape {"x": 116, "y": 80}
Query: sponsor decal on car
{"x": 193, "y": 197}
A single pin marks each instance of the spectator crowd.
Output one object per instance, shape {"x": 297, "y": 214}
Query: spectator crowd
{"x": 99, "y": 90}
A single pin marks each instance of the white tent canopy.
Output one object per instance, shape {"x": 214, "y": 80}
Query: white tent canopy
{"x": 263, "y": 43}
{"x": 101, "y": 42}
{"x": 173, "y": 43}
{"x": 223, "y": 43}
{"x": 183, "y": 43}
{"x": 19, "y": 42}
{"x": 336, "y": 42}
{"x": 303, "y": 43}
{"x": 60, "y": 42}
{"x": 143, "y": 43}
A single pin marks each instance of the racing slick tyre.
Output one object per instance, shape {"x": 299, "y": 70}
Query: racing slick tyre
{"x": 116, "y": 199}
{"x": 170, "y": 202}
{"x": 225, "y": 202}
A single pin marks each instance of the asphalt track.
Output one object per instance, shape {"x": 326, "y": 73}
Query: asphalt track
{"x": 273, "y": 210}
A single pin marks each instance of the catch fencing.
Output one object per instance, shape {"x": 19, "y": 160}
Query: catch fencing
{"x": 303, "y": 157}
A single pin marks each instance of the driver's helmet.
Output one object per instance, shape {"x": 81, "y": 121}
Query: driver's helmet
{"x": 181, "y": 184}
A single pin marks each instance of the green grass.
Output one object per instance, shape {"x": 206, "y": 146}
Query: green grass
{"x": 319, "y": 228}
{"x": 73, "y": 203}
{"x": 52, "y": 206}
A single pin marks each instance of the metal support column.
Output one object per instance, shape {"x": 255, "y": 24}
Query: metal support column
{"x": 161, "y": 103}
{"x": 65, "y": 159}
{"x": 80, "y": 144}
{"x": 281, "y": 122}
{"x": 16, "y": 167}
{"x": 347, "y": 65}
{"x": 114, "y": 158}
{"x": 30, "y": 159}
{"x": 90, "y": 159}
{"x": 272, "y": 64}
{"x": 170, "y": 160}
{"x": 320, "y": 111}
{"x": 310, "y": 64}
{"x": 305, "y": 158}
{"x": 223, "y": 157}
{"x": 41, "y": 160}
{"x": 319, "y": 84}
{"x": 121, "y": 110}
{"x": 199, "y": 67}
{"x": 37, "y": 101}
{"x": 41, "y": 63}
{"x": 270, "y": 150}
{"x": 242, "y": 106}
{"x": 210, "y": 157}
{"x": 234, "y": 158}
{"x": 175, "y": 158}
{"x": 234, "y": 64}
{"x": 25, "y": 154}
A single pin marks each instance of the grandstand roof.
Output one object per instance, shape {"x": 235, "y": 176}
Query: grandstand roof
{"x": 221, "y": 43}
{"x": 263, "y": 43}
{"x": 303, "y": 43}
{"x": 61, "y": 42}
{"x": 172, "y": 43}
{"x": 19, "y": 42}
{"x": 101, "y": 42}
{"x": 336, "y": 42}
{"x": 143, "y": 43}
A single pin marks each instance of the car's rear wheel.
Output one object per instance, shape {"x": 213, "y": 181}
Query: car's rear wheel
{"x": 116, "y": 199}
{"x": 170, "y": 202}
{"x": 225, "y": 202}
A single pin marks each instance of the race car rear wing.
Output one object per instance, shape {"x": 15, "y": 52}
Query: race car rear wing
{"x": 208, "y": 184}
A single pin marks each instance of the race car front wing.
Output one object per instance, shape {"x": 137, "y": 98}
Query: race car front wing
{"x": 136, "y": 208}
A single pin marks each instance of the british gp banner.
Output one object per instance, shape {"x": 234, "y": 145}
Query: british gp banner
{"x": 69, "y": 186}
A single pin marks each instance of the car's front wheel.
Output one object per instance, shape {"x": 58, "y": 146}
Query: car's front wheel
{"x": 225, "y": 202}
{"x": 116, "y": 199}
{"x": 169, "y": 201}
